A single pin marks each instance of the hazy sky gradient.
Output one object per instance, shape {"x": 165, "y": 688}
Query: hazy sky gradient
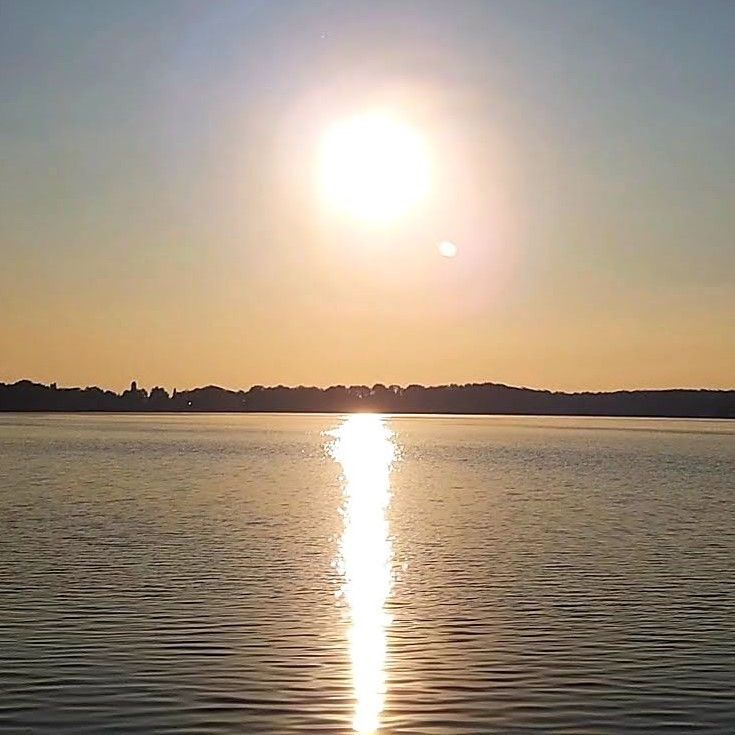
{"x": 158, "y": 219}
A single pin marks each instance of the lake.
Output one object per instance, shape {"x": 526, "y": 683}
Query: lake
{"x": 337, "y": 574}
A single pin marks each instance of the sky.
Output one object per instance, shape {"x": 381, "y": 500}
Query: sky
{"x": 160, "y": 214}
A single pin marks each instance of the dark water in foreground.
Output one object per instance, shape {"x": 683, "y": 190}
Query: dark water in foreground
{"x": 275, "y": 574}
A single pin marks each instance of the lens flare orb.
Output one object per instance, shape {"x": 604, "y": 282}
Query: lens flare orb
{"x": 447, "y": 249}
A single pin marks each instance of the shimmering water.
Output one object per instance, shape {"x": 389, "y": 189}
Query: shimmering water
{"x": 276, "y": 574}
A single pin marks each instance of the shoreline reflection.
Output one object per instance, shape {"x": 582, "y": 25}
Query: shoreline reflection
{"x": 364, "y": 446}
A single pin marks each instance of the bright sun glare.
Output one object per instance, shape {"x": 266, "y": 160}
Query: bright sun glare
{"x": 364, "y": 446}
{"x": 373, "y": 167}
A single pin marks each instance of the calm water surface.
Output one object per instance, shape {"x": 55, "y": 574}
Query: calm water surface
{"x": 326, "y": 574}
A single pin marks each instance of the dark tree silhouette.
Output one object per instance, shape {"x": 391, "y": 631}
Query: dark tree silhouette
{"x": 470, "y": 398}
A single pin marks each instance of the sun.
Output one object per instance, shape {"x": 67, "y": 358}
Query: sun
{"x": 373, "y": 167}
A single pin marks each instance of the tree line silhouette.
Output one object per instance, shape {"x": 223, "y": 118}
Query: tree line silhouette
{"x": 469, "y": 398}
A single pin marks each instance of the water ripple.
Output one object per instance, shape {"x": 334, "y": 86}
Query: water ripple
{"x": 177, "y": 574}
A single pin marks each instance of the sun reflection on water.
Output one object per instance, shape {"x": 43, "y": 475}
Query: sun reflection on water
{"x": 364, "y": 446}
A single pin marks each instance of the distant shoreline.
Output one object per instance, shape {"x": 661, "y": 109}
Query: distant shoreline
{"x": 389, "y": 414}
{"x": 471, "y": 399}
